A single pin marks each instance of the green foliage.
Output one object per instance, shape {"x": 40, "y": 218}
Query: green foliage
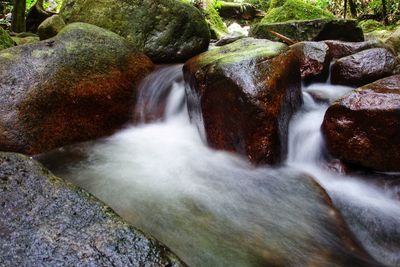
{"x": 286, "y": 10}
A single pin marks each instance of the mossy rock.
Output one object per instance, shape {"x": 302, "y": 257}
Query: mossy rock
{"x": 217, "y": 26}
{"x": 74, "y": 87}
{"x": 5, "y": 39}
{"x": 310, "y": 30}
{"x": 165, "y": 30}
{"x": 25, "y": 40}
{"x": 370, "y": 25}
{"x": 288, "y": 10}
{"x": 48, "y": 222}
{"x": 50, "y": 27}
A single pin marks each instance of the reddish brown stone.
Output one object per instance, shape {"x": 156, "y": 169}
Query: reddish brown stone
{"x": 75, "y": 87}
{"x": 363, "y": 128}
{"x": 339, "y": 49}
{"x": 363, "y": 67}
{"x": 314, "y": 58}
{"x": 247, "y": 92}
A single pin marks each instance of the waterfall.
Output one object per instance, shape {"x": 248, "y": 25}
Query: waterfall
{"x": 213, "y": 208}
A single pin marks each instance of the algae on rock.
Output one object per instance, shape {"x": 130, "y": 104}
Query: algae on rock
{"x": 287, "y": 10}
{"x": 5, "y": 39}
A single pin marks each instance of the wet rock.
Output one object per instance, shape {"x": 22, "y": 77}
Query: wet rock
{"x": 5, "y": 40}
{"x": 74, "y": 87}
{"x": 50, "y": 27}
{"x": 310, "y": 30}
{"x": 363, "y": 67}
{"x": 229, "y": 39}
{"x": 46, "y": 222}
{"x": 247, "y": 92}
{"x": 314, "y": 58}
{"x": 339, "y": 49}
{"x": 363, "y": 128}
{"x": 165, "y": 30}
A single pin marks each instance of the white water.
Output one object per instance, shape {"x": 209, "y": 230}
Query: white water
{"x": 214, "y": 209}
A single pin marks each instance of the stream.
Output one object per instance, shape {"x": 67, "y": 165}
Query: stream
{"x": 213, "y": 208}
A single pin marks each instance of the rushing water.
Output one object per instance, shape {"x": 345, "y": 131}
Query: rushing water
{"x": 213, "y": 208}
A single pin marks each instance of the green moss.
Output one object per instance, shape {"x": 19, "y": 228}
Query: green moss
{"x": 287, "y": 10}
{"x": 242, "y": 50}
{"x": 217, "y": 26}
{"x": 370, "y": 25}
{"x": 5, "y": 40}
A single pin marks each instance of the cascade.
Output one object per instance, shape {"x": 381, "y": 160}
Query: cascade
{"x": 213, "y": 208}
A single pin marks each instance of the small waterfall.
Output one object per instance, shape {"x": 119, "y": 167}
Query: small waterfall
{"x": 213, "y": 208}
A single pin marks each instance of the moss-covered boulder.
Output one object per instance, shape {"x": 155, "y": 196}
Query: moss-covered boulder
{"x": 288, "y": 10}
{"x": 25, "y": 40}
{"x": 165, "y": 30}
{"x": 76, "y": 86}
{"x": 247, "y": 92}
{"x": 370, "y": 25}
{"x": 363, "y": 127}
{"x": 310, "y": 30}
{"x": 393, "y": 40}
{"x": 217, "y": 26}
{"x": 46, "y": 222}
{"x": 50, "y": 27}
{"x": 5, "y": 39}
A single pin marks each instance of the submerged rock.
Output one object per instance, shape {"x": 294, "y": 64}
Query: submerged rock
{"x": 363, "y": 127}
{"x": 247, "y": 92}
{"x": 77, "y": 86}
{"x": 165, "y": 30}
{"x": 50, "y": 27}
{"x": 5, "y": 39}
{"x": 46, "y": 222}
{"x": 363, "y": 67}
{"x": 310, "y": 30}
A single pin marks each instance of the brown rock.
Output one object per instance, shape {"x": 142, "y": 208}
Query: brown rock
{"x": 247, "y": 92}
{"x": 339, "y": 49}
{"x": 74, "y": 87}
{"x": 314, "y": 58}
{"x": 363, "y": 128}
{"x": 363, "y": 67}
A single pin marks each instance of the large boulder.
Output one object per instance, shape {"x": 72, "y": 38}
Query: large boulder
{"x": 50, "y": 27}
{"x": 247, "y": 92}
{"x": 363, "y": 67}
{"x": 289, "y": 10}
{"x": 363, "y": 127}
{"x": 5, "y": 39}
{"x": 74, "y": 87}
{"x": 46, "y": 222}
{"x": 165, "y": 30}
{"x": 310, "y": 30}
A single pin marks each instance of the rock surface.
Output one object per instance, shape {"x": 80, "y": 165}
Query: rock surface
{"x": 247, "y": 92}
{"x": 47, "y": 222}
{"x": 314, "y": 58}
{"x": 77, "y": 86}
{"x": 5, "y": 40}
{"x": 339, "y": 49}
{"x": 363, "y": 128}
{"x": 394, "y": 40}
{"x": 50, "y": 27}
{"x": 363, "y": 67}
{"x": 165, "y": 30}
{"x": 310, "y": 30}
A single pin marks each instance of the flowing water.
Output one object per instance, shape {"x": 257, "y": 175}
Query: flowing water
{"x": 213, "y": 208}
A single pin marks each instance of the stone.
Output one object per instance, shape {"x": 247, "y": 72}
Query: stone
{"x": 339, "y": 49}
{"x": 45, "y": 221}
{"x": 5, "y": 40}
{"x": 363, "y": 128}
{"x": 50, "y": 27}
{"x": 314, "y": 58}
{"x": 363, "y": 67}
{"x": 74, "y": 87}
{"x": 310, "y": 30}
{"x": 25, "y": 40}
{"x": 165, "y": 30}
{"x": 247, "y": 92}
{"x": 393, "y": 40}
